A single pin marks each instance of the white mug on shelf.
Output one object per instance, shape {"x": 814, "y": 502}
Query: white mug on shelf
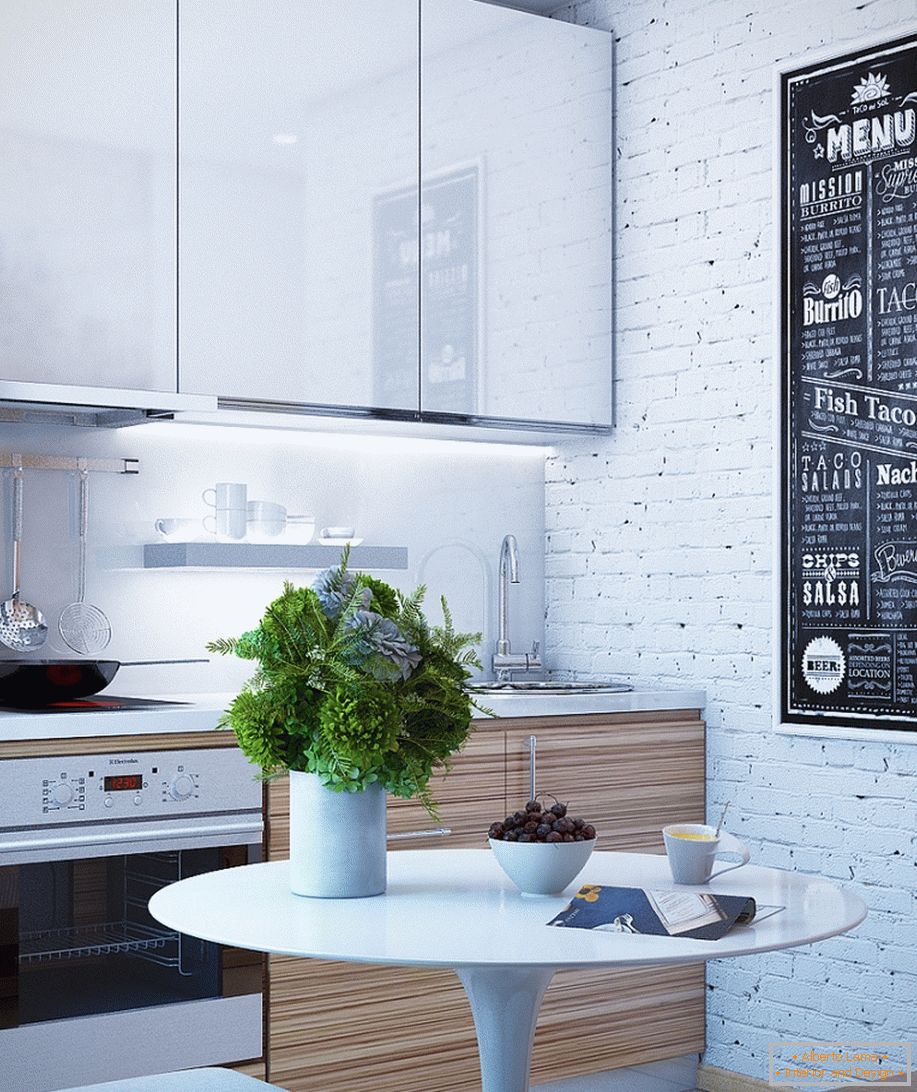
{"x": 226, "y": 495}
{"x": 175, "y": 527}
{"x": 230, "y": 513}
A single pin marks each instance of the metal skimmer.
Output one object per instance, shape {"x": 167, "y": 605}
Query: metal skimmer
{"x": 83, "y": 626}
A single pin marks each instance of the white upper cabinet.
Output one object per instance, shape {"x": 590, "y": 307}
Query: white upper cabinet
{"x": 314, "y": 268}
{"x": 400, "y": 207}
{"x": 88, "y": 192}
{"x": 516, "y": 255}
{"x": 298, "y": 126}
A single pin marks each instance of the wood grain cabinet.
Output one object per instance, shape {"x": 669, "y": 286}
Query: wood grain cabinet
{"x": 629, "y": 775}
{"x": 338, "y": 1027}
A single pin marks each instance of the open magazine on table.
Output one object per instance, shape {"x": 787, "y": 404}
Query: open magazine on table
{"x": 698, "y": 915}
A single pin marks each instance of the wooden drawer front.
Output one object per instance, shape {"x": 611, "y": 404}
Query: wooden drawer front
{"x": 601, "y": 1019}
{"x": 344, "y": 1026}
{"x": 250, "y": 1069}
{"x": 277, "y": 819}
{"x": 629, "y": 779}
{"x": 470, "y": 798}
{"x": 340, "y": 1026}
{"x": 104, "y": 745}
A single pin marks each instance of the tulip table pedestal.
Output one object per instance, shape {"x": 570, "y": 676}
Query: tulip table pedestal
{"x": 455, "y": 908}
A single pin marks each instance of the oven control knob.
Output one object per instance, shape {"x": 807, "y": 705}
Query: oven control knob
{"x": 62, "y": 794}
{"x": 182, "y": 787}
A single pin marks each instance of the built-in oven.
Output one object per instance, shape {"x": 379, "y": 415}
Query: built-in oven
{"x": 92, "y": 988}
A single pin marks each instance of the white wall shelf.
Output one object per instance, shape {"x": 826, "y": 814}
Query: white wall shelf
{"x": 268, "y": 555}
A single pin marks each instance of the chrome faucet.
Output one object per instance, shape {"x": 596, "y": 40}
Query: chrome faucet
{"x": 506, "y": 662}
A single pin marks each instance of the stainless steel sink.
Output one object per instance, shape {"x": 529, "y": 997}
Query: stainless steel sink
{"x": 550, "y": 688}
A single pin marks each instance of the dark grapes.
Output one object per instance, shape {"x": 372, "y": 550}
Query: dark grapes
{"x": 538, "y": 823}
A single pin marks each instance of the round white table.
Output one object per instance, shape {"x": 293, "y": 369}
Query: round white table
{"x": 456, "y": 908}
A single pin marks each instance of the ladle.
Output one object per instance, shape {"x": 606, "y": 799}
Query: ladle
{"x": 22, "y": 626}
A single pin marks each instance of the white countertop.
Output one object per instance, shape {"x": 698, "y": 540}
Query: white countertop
{"x": 534, "y": 704}
{"x": 198, "y": 713}
{"x": 201, "y": 712}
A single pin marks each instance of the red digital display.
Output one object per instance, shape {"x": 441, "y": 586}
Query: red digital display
{"x": 123, "y": 782}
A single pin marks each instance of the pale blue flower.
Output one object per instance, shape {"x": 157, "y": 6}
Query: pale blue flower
{"x": 335, "y": 589}
{"x": 380, "y": 637}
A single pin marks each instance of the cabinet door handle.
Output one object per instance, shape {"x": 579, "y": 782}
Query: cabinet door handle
{"x": 436, "y": 832}
{"x": 533, "y": 746}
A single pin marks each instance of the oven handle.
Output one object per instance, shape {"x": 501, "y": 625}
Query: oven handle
{"x": 174, "y": 835}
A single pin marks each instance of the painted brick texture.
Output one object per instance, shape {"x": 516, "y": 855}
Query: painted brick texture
{"x": 658, "y": 558}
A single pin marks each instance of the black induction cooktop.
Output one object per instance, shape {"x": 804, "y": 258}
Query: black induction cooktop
{"x": 105, "y": 703}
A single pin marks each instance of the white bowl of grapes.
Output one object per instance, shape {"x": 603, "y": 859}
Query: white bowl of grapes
{"x": 542, "y": 848}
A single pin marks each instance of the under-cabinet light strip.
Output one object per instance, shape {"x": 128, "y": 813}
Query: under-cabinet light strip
{"x": 69, "y": 462}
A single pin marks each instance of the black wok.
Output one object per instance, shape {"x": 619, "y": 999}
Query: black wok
{"x": 31, "y": 684}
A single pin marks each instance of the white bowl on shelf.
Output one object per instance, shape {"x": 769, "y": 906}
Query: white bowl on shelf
{"x": 338, "y": 536}
{"x": 542, "y": 868}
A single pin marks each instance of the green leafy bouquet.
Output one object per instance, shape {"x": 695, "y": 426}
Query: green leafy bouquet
{"x": 354, "y": 685}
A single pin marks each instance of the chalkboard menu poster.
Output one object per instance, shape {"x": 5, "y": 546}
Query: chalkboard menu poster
{"x": 447, "y": 249}
{"x": 849, "y": 390}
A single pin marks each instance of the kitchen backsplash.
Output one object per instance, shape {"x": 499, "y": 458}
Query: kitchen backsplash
{"x": 449, "y": 504}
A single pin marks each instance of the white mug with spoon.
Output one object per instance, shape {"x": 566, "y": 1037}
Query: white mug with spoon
{"x": 692, "y": 849}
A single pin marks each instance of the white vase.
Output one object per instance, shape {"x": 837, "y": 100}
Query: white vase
{"x": 337, "y": 840}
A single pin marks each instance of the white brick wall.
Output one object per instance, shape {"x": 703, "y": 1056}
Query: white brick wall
{"x": 658, "y": 539}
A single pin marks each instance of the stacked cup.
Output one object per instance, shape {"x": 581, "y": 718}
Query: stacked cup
{"x": 229, "y": 501}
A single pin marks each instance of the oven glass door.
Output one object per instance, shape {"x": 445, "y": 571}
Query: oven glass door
{"x": 77, "y": 939}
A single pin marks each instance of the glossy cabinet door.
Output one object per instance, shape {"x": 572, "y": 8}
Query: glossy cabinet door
{"x": 299, "y": 133}
{"x": 516, "y": 255}
{"x": 88, "y": 192}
